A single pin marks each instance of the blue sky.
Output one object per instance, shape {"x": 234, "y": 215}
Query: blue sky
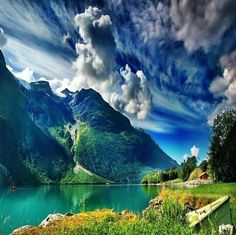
{"x": 169, "y": 65}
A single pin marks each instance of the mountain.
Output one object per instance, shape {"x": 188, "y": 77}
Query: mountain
{"x": 73, "y": 138}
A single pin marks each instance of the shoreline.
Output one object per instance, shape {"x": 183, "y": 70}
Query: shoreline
{"x": 199, "y": 195}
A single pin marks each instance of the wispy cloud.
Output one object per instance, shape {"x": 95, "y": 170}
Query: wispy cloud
{"x": 25, "y": 54}
{"x": 3, "y": 39}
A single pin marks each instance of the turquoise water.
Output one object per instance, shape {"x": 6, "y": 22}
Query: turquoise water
{"x": 30, "y": 205}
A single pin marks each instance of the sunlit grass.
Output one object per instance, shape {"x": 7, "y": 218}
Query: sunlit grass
{"x": 169, "y": 219}
{"x": 203, "y": 194}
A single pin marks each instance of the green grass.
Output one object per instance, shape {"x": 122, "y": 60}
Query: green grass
{"x": 217, "y": 188}
{"x": 170, "y": 182}
{"x": 215, "y": 191}
{"x": 169, "y": 219}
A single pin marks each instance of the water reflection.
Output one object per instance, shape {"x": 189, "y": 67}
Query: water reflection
{"x": 31, "y": 205}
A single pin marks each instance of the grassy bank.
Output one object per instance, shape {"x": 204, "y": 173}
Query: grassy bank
{"x": 164, "y": 220}
{"x": 169, "y": 219}
{"x": 203, "y": 194}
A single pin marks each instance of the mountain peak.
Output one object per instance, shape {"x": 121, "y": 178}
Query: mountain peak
{"x": 85, "y": 93}
{"x": 89, "y": 106}
{"x": 2, "y": 60}
{"x": 42, "y": 86}
{"x": 67, "y": 92}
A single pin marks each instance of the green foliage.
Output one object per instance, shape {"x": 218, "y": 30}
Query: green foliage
{"x": 162, "y": 227}
{"x": 187, "y": 167}
{"x": 62, "y": 135}
{"x": 223, "y": 147}
{"x": 173, "y": 211}
{"x": 203, "y": 165}
{"x": 82, "y": 178}
{"x": 38, "y": 141}
{"x": 160, "y": 176}
{"x": 29, "y": 155}
{"x": 110, "y": 155}
{"x": 170, "y": 219}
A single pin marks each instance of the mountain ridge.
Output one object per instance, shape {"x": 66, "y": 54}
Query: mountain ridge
{"x": 55, "y": 134}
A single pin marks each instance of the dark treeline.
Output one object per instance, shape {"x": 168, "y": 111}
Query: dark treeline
{"x": 156, "y": 177}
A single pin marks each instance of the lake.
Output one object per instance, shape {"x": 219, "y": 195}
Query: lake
{"x": 30, "y": 205}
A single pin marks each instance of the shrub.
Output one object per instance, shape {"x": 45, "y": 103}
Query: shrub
{"x": 195, "y": 174}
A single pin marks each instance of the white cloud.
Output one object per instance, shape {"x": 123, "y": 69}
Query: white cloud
{"x": 225, "y": 86}
{"x": 27, "y": 75}
{"x": 66, "y": 37}
{"x": 202, "y": 23}
{"x": 135, "y": 97}
{"x": 195, "y": 151}
{"x": 24, "y": 55}
{"x": 3, "y": 39}
{"x": 26, "y": 18}
{"x": 58, "y": 85}
{"x": 95, "y": 62}
{"x": 230, "y": 93}
{"x": 96, "y": 68}
{"x": 152, "y": 21}
{"x": 170, "y": 102}
{"x": 218, "y": 86}
{"x": 154, "y": 123}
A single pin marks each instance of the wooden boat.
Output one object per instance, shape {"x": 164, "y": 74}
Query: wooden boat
{"x": 13, "y": 188}
{"x": 215, "y": 213}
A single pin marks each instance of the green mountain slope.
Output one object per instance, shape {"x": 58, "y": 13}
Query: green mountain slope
{"x": 78, "y": 138}
{"x": 107, "y": 144}
{"x": 28, "y": 154}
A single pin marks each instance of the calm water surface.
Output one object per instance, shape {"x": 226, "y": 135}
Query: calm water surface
{"x": 30, "y": 205}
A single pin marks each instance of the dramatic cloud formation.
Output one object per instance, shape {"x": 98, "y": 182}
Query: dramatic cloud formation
{"x": 96, "y": 68}
{"x": 135, "y": 97}
{"x": 152, "y": 20}
{"x": 225, "y": 86}
{"x": 202, "y": 23}
{"x": 95, "y": 62}
{"x": 229, "y": 63}
{"x": 3, "y": 39}
{"x": 154, "y": 36}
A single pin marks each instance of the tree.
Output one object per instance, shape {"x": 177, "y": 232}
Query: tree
{"x": 222, "y": 154}
{"x": 203, "y": 165}
{"x": 187, "y": 167}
